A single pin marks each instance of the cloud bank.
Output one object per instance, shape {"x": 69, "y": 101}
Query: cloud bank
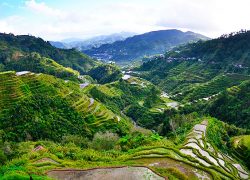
{"x": 88, "y": 18}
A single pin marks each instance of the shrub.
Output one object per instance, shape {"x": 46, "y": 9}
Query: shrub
{"x": 3, "y": 158}
{"x": 104, "y": 141}
{"x": 59, "y": 155}
{"x": 77, "y": 140}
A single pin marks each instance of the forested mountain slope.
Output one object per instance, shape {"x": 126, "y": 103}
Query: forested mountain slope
{"x": 199, "y": 70}
{"x": 233, "y": 105}
{"x": 150, "y": 43}
{"x": 13, "y": 48}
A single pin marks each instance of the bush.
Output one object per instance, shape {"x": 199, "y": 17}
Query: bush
{"x": 3, "y": 158}
{"x": 137, "y": 139}
{"x": 104, "y": 141}
{"x": 77, "y": 140}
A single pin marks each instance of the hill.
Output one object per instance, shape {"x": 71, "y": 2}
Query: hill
{"x": 105, "y": 73}
{"x": 59, "y": 44}
{"x": 39, "y": 106}
{"x": 93, "y": 42}
{"x": 13, "y": 47}
{"x": 147, "y": 44}
{"x": 202, "y": 69}
{"x": 35, "y": 63}
{"x": 232, "y": 105}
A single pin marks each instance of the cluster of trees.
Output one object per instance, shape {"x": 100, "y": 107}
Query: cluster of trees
{"x": 41, "y": 117}
{"x": 105, "y": 73}
{"x": 233, "y": 105}
{"x": 35, "y": 63}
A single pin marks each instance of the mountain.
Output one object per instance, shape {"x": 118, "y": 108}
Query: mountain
{"x": 13, "y": 48}
{"x": 94, "y": 42}
{"x": 202, "y": 69}
{"x": 59, "y": 44}
{"x": 147, "y": 44}
{"x": 97, "y": 41}
{"x": 52, "y": 125}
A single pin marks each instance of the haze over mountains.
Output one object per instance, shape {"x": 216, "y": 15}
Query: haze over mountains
{"x": 151, "y": 43}
{"x": 94, "y": 42}
{"x": 121, "y": 47}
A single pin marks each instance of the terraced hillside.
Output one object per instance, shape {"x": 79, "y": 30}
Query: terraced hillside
{"x": 241, "y": 146}
{"x": 202, "y": 69}
{"x": 134, "y": 97}
{"x": 196, "y": 158}
{"x": 197, "y": 147}
{"x": 12, "y": 89}
{"x": 232, "y": 105}
{"x": 38, "y": 99}
{"x": 211, "y": 87}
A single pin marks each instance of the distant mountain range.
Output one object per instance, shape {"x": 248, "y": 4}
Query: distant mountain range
{"x": 147, "y": 44}
{"x": 94, "y": 42}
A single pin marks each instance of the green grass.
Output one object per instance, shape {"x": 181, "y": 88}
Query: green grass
{"x": 245, "y": 141}
{"x": 28, "y": 99}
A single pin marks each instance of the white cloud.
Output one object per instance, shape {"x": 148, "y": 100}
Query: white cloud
{"x": 210, "y": 17}
{"x": 42, "y": 8}
{"x": 8, "y": 24}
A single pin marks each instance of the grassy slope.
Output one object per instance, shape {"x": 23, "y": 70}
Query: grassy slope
{"x": 46, "y": 107}
{"x": 136, "y": 98}
{"x": 201, "y": 69}
{"x": 160, "y": 152}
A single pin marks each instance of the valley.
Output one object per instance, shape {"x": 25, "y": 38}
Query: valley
{"x": 181, "y": 115}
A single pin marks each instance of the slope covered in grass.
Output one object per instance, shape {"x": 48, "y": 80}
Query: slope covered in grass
{"x": 195, "y": 158}
{"x": 201, "y": 69}
{"x": 133, "y": 97}
{"x": 38, "y": 106}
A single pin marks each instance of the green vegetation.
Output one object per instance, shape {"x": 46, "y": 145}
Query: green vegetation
{"x": 241, "y": 147}
{"x": 135, "y": 98}
{"x": 233, "y": 105}
{"x": 16, "y": 47}
{"x": 37, "y": 106}
{"x": 138, "y": 46}
{"x": 35, "y": 63}
{"x": 200, "y": 70}
{"x": 48, "y": 120}
{"x": 105, "y": 73}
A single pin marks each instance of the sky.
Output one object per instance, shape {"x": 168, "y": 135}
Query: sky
{"x": 63, "y": 19}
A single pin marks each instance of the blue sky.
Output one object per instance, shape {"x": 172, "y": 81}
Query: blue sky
{"x": 61, "y": 19}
